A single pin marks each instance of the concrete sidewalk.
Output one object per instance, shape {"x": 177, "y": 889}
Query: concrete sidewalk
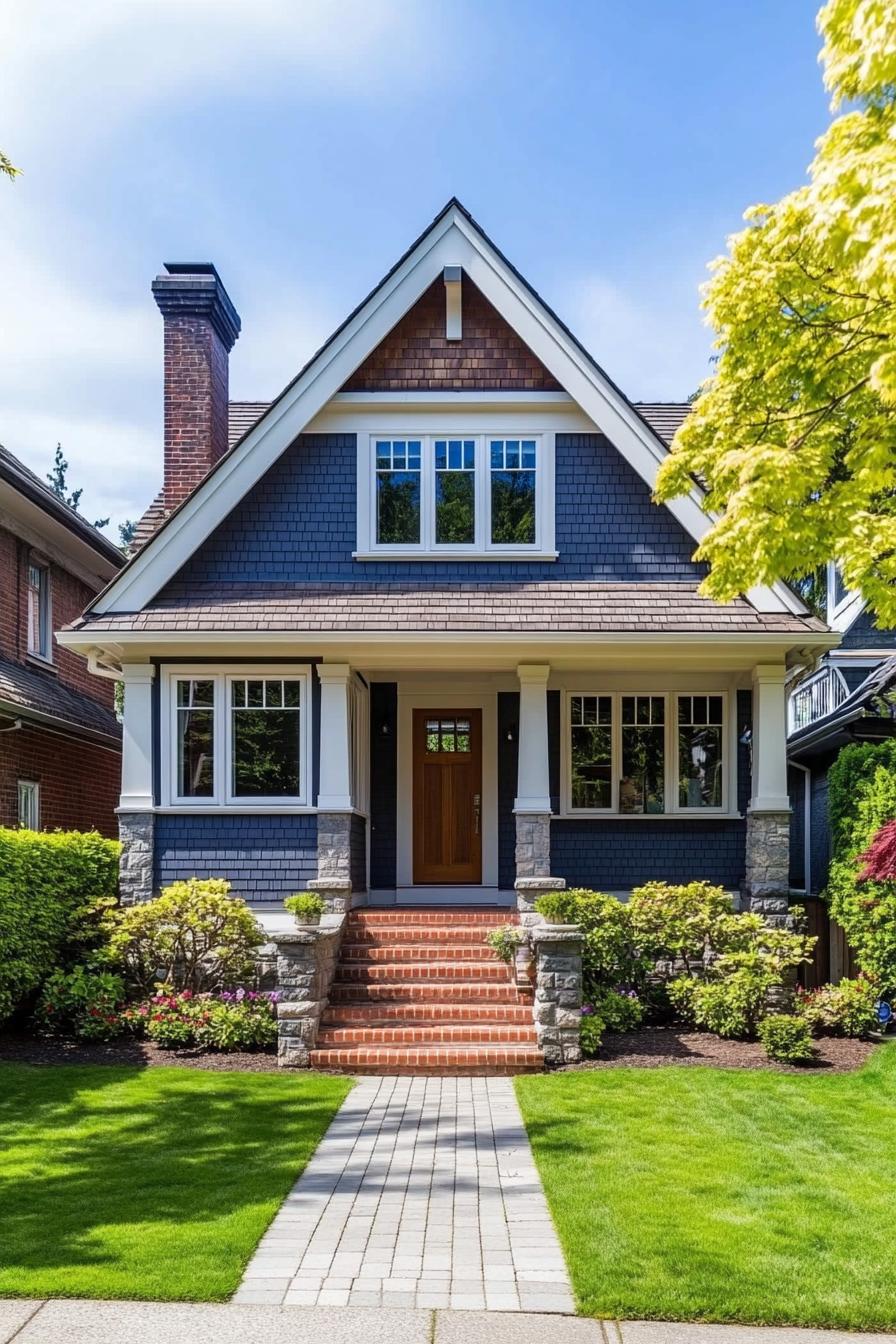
{"x": 79, "y": 1322}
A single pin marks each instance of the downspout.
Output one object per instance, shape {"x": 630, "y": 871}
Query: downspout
{"x": 807, "y": 823}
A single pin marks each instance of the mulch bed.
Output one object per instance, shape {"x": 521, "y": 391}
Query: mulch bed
{"x": 24, "y": 1049}
{"x": 652, "y": 1047}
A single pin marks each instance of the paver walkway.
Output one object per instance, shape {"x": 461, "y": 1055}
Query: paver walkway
{"x": 423, "y": 1193}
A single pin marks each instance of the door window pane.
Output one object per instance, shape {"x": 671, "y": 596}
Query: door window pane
{"x": 455, "y": 468}
{"x": 512, "y": 484}
{"x": 265, "y": 738}
{"x": 700, "y": 750}
{"x": 195, "y": 732}
{"x": 398, "y": 492}
{"x": 591, "y": 746}
{"x": 642, "y": 786}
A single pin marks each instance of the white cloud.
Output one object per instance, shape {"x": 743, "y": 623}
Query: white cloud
{"x": 655, "y": 348}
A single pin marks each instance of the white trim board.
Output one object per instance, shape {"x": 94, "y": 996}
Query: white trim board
{"x": 452, "y": 240}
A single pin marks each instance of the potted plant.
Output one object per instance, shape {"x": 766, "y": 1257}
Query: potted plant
{"x": 306, "y": 907}
{"x": 507, "y": 943}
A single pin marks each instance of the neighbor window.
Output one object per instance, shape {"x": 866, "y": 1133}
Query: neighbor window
{"x": 621, "y": 759}
{"x": 29, "y": 805}
{"x": 470, "y": 495}
{"x": 38, "y": 585}
{"x": 239, "y": 737}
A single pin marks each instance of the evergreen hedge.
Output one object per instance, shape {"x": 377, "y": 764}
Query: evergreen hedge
{"x": 47, "y": 879}
{"x": 862, "y": 797}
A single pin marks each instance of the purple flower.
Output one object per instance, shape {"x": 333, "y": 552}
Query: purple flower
{"x": 240, "y": 995}
{"x": 587, "y": 1009}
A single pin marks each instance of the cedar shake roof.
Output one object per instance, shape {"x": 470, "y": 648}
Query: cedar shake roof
{"x": 42, "y": 695}
{"x": 663, "y": 417}
{"x": 501, "y": 608}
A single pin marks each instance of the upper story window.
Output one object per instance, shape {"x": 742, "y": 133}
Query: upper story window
{"x": 473, "y": 496}
{"x": 238, "y": 738}
{"x": 29, "y": 805}
{"x": 39, "y": 623}
{"x": 646, "y": 755}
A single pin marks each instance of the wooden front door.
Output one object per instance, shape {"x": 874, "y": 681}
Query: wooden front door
{"x": 448, "y": 796}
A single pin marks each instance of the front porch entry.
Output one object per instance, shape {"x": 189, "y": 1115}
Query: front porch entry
{"x": 447, "y": 811}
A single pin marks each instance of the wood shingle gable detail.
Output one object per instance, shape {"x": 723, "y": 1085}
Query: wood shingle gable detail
{"x": 417, "y": 356}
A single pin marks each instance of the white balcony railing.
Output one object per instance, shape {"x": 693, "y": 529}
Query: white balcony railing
{"x": 815, "y": 698}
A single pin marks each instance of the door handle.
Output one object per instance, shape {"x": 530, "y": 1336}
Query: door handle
{"x": 476, "y": 809}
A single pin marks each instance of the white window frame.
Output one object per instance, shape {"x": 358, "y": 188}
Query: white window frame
{"x": 672, "y": 807}
{"x": 28, "y": 791}
{"x": 45, "y": 609}
{"x": 222, "y": 799}
{"x": 368, "y": 548}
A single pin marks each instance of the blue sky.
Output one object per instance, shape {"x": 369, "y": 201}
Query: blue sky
{"x": 302, "y": 144}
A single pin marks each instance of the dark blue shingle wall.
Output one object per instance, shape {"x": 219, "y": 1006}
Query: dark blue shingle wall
{"x": 383, "y": 783}
{"x": 264, "y": 858}
{"x": 618, "y": 855}
{"x": 508, "y": 753}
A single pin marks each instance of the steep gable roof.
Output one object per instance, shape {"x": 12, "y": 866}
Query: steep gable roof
{"x": 453, "y": 239}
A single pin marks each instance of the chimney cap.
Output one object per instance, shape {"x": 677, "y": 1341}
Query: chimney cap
{"x": 195, "y": 289}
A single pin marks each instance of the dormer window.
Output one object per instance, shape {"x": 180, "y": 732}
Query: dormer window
{"x": 469, "y": 496}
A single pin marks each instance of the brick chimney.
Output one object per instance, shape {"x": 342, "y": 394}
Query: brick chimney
{"x": 201, "y": 325}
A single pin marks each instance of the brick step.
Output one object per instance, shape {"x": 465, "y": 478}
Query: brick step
{"x": 369, "y": 952}
{"x": 409, "y": 914}
{"x": 433, "y": 991}
{"x": 433, "y": 1059}
{"x": 436, "y": 935}
{"x": 355, "y": 972}
{"x": 445, "y": 1033}
{"x": 377, "y": 1014}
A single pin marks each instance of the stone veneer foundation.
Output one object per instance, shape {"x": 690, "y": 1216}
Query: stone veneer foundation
{"x": 306, "y": 963}
{"x": 136, "y": 831}
{"x": 767, "y": 875}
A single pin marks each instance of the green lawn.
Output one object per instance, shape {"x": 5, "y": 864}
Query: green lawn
{"x": 724, "y": 1195}
{"x": 146, "y": 1183}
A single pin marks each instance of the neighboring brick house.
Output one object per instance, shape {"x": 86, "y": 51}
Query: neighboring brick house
{"x": 60, "y": 742}
{"x": 419, "y": 635}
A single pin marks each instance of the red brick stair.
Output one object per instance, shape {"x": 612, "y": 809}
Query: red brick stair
{"x": 418, "y": 991}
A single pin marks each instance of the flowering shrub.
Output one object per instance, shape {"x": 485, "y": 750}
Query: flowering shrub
{"x": 193, "y": 936}
{"x": 846, "y": 1009}
{"x": 82, "y": 1001}
{"x": 879, "y": 859}
{"x": 786, "y": 1038}
{"x": 618, "y": 1009}
{"x": 227, "y": 1020}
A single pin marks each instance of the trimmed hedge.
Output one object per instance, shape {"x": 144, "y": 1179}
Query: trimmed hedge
{"x": 862, "y": 798}
{"x": 46, "y": 880}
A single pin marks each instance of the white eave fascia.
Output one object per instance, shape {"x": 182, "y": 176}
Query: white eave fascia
{"x": 451, "y": 240}
{"x": 848, "y": 612}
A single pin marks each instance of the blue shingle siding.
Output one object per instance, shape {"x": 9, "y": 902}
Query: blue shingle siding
{"x": 618, "y": 855}
{"x": 383, "y": 783}
{"x": 264, "y": 858}
{"x": 508, "y": 753}
{"x": 796, "y": 789}
{"x": 864, "y": 634}
{"x": 819, "y": 822}
{"x": 358, "y": 853}
{"x": 297, "y": 525}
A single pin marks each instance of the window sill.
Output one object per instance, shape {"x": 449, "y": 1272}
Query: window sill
{"x": 649, "y": 816}
{"x": 464, "y": 556}
{"x": 45, "y": 664}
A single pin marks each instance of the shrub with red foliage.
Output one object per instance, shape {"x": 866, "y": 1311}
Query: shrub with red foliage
{"x": 880, "y": 856}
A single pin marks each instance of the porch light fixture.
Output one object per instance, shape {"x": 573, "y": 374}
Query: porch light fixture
{"x": 510, "y": 735}
{"x": 384, "y": 728}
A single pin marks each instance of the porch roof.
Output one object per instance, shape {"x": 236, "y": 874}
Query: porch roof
{"x": 459, "y": 607}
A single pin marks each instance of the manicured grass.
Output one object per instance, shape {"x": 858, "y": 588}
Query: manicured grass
{"x": 146, "y": 1183}
{"x": 723, "y": 1195}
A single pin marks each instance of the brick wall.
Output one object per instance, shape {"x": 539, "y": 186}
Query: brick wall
{"x": 265, "y": 858}
{"x": 383, "y": 778}
{"x": 297, "y": 525}
{"x": 417, "y": 357}
{"x": 79, "y": 782}
{"x": 68, "y": 595}
{"x": 196, "y": 393}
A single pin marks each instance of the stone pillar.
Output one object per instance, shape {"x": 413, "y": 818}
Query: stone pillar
{"x": 558, "y": 991}
{"x": 528, "y": 890}
{"x": 767, "y": 874}
{"x": 306, "y": 963}
{"x": 135, "y": 814}
{"x": 532, "y": 805}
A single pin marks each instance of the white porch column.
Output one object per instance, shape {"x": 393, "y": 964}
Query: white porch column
{"x": 767, "y": 876}
{"x": 533, "y": 793}
{"x": 136, "y": 739}
{"x": 136, "y": 818}
{"x": 769, "y": 793}
{"x": 335, "y": 788}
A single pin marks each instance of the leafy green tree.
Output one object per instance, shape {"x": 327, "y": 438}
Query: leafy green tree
{"x": 794, "y": 433}
{"x": 126, "y": 533}
{"x": 7, "y": 169}
{"x": 58, "y": 479}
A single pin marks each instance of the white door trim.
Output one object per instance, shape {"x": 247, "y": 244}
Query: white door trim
{"x": 410, "y": 698}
